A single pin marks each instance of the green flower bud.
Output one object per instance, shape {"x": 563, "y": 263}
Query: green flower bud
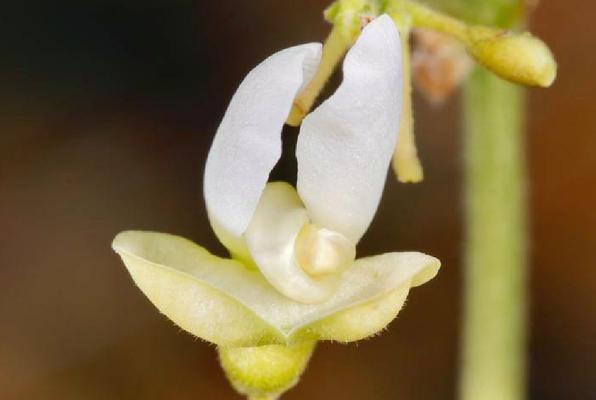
{"x": 520, "y": 58}
{"x": 265, "y": 372}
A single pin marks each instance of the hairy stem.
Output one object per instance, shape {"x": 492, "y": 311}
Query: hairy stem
{"x": 425, "y": 17}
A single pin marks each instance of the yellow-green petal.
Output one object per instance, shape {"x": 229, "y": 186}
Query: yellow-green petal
{"x": 369, "y": 318}
{"x": 358, "y": 322}
{"x": 192, "y": 304}
{"x": 230, "y": 305}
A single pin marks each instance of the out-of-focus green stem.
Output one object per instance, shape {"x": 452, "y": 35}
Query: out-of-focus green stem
{"x": 493, "y": 362}
{"x": 502, "y": 13}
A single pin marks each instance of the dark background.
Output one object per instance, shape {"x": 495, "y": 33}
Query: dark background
{"x": 107, "y": 110}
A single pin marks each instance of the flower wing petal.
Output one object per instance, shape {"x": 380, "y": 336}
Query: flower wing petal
{"x": 345, "y": 145}
{"x": 247, "y": 144}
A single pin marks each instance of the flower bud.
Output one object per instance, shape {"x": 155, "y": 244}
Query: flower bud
{"x": 520, "y": 58}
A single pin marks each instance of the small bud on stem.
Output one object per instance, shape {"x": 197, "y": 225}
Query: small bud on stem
{"x": 520, "y": 58}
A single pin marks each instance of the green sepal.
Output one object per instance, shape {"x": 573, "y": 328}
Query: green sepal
{"x": 265, "y": 372}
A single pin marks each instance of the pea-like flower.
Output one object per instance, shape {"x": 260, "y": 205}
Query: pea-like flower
{"x": 292, "y": 277}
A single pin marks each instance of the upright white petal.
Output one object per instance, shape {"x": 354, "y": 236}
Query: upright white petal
{"x": 345, "y": 145}
{"x": 247, "y": 144}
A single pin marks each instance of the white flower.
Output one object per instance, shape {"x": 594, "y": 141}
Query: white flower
{"x": 293, "y": 276}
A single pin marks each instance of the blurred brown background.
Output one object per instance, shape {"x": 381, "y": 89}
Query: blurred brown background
{"x": 107, "y": 112}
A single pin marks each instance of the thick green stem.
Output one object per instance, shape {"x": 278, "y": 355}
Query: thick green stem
{"x": 493, "y": 362}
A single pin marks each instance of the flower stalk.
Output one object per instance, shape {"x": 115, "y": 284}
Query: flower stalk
{"x": 346, "y": 16}
{"x": 495, "y": 293}
{"x": 425, "y": 17}
{"x": 334, "y": 48}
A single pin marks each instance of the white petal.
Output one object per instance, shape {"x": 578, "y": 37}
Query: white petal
{"x": 271, "y": 236}
{"x": 225, "y": 303}
{"x": 247, "y": 144}
{"x": 345, "y": 145}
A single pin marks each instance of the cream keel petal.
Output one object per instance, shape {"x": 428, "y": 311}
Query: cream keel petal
{"x": 225, "y": 303}
{"x": 271, "y": 238}
{"x": 247, "y": 144}
{"x": 345, "y": 145}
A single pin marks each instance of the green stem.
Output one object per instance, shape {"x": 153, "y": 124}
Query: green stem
{"x": 493, "y": 362}
{"x": 425, "y": 17}
{"x": 336, "y": 45}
